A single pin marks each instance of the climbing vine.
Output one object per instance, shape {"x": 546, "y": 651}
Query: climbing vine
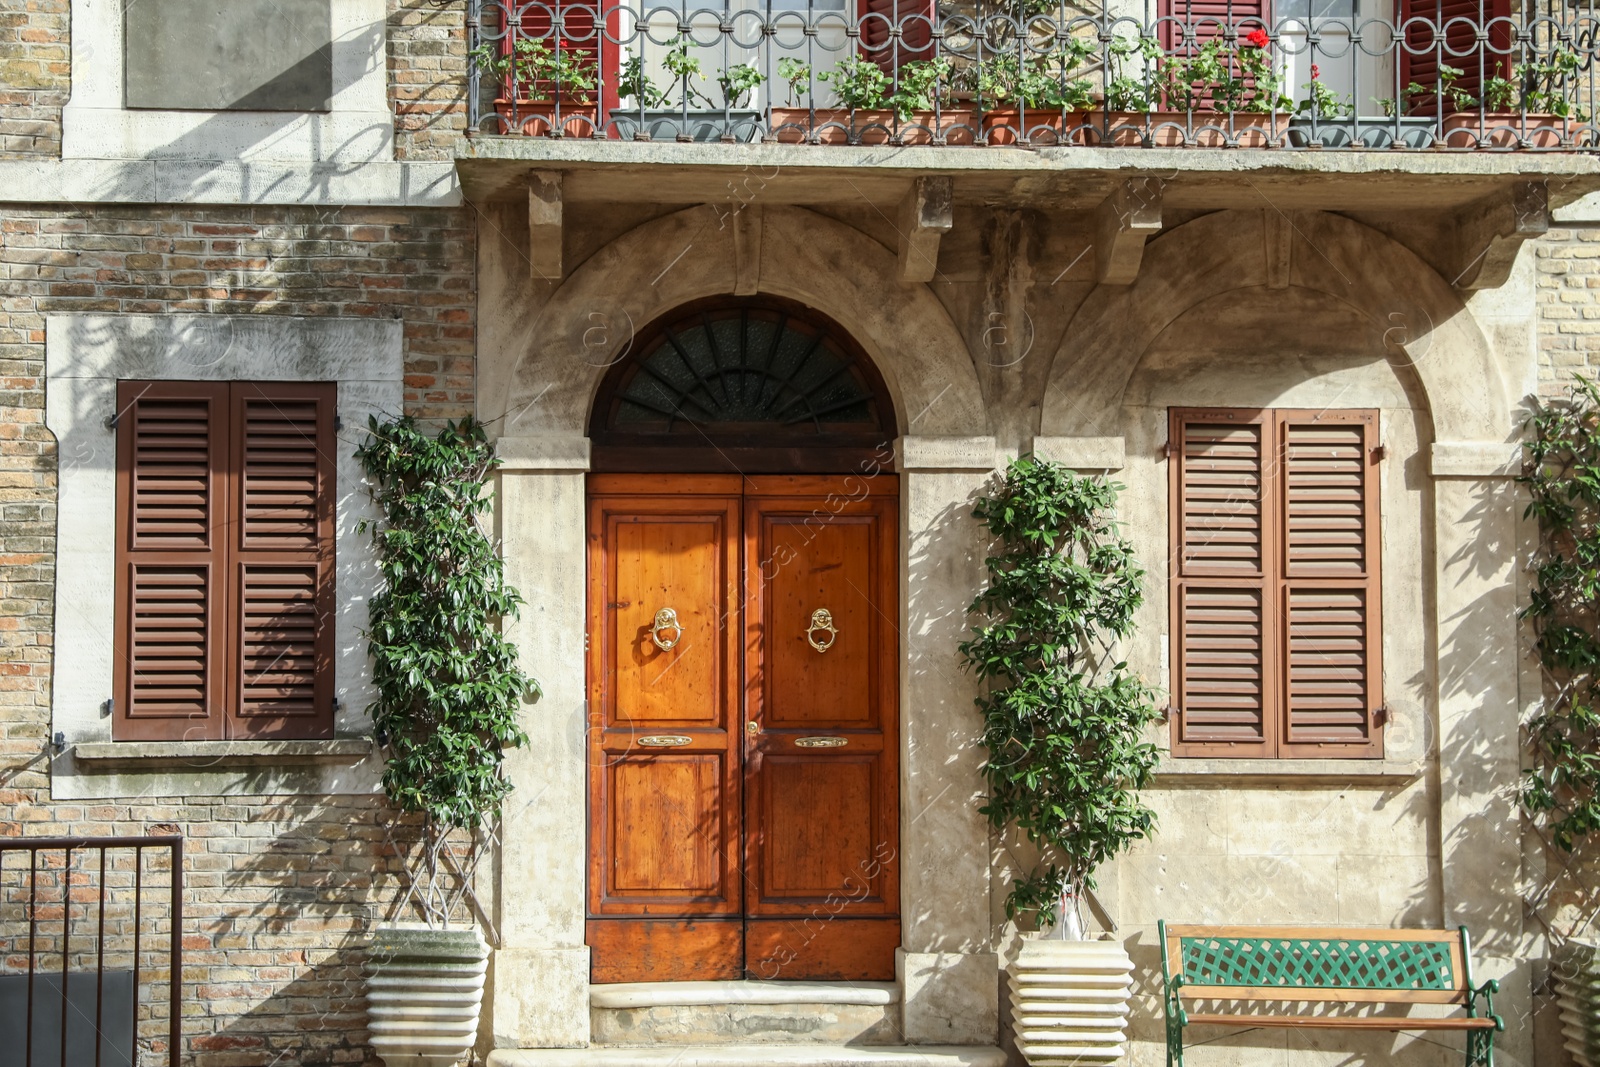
{"x": 1562, "y": 788}
{"x": 448, "y": 685}
{"x": 1064, "y": 718}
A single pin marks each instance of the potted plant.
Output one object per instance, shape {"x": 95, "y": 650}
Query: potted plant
{"x": 1036, "y": 102}
{"x": 543, "y": 91}
{"x": 448, "y": 692}
{"x": 1065, "y": 726}
{"x": 697, "y": 117}
{"x": 1317, "y": 118}
{"x": 874, "y": 108}
{"x": 1577, "y": 981}
{"x": 1534, "y": 108}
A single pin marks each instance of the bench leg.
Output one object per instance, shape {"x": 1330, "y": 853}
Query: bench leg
{"x": 1480, "y": 1048}
{"x": 1174, "y": 1040}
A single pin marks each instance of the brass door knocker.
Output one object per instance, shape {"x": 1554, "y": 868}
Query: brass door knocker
{"x": 822, "y": 620}
{"x": 666, "y": 619}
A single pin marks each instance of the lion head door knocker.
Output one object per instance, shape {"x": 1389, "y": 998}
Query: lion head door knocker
{"x": 666, "y": 622}
{"x": 822, "y": 622}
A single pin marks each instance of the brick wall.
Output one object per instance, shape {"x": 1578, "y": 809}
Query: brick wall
{"x": 35, "y": 76}
{"x": 427, "y": 77}
{"x": 282, "y": 887}
{"x": 1567, "y": 266}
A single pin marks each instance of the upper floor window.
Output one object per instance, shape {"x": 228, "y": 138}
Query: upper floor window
{"x": 225, "y": 558}
{"x": 1275, "y": 593}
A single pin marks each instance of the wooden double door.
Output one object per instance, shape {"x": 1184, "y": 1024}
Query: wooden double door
{"x": 743, "y": 771}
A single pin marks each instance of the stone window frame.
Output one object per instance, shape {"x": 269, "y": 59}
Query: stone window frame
{"x": 358, "y": 127}
{"x": 85, "y": 357}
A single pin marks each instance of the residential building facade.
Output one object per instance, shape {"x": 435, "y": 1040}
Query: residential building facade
{"x": 749, "y": 357}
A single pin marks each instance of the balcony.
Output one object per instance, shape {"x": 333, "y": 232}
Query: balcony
{"x": 1351, "y": 76}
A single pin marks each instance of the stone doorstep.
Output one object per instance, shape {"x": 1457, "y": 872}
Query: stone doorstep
{"x": 755, "y": 1056}
{"x": 666, "y": 994}
{"x": 687, "y": 1014}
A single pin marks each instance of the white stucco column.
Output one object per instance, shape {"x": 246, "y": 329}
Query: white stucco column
{"x": 948, "y": 968}
{"x": 541, "y": 972}
{"x": 1476, "y": 506}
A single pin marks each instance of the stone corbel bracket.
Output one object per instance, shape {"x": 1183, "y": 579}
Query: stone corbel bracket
{"x": 1486, "y": 235}
{"x": 925, "y": 217}
{"x": 544, "y": 226}
{"x": 1123, "y": 222}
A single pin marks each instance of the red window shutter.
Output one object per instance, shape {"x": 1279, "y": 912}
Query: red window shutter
{"x": 1331, "y": 595}
{"x": 282, "y": 574}
{"x": 1186, "y": 24}
{"x": 168, "y": 561}
{"x": 878, "y": 19}
{"x": 1221, "y": 566}
{"x": 1461, "y": 20}
{"x": 225, "y": 499}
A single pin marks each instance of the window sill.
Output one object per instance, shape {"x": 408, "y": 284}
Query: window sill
{"x": 1266, "y": 771}
{"x": 218, "y": 754}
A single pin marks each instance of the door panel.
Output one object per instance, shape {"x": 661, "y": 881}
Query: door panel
{"x": 821, "y": 778}
{"x": 718, "y": 851}
{"x": 664, "y": 771}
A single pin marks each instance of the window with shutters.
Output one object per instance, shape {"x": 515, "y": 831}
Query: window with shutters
{"x": 225, "y": 534}
{"x": 1274, "y": 589}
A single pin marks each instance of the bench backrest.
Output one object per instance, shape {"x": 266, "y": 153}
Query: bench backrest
{"x": 1317, "y": 963}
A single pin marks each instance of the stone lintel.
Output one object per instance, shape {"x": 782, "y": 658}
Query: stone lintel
{"x": 1486, "y": 235}
{"x": 925, "y": 217}
{"x": 547, "y": 453}
{"x": 544, "y": 225}
{"x": 1123, "y": 222}
{"x": 945, "y": 453}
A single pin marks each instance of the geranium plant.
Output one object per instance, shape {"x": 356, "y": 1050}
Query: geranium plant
{"x": 1064, "y": 719}
{"x": 448, "y": 685}
{"x": 537, "y": 72}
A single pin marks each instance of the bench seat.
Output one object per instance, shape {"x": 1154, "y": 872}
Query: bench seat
{"x": 1271, "y": 972}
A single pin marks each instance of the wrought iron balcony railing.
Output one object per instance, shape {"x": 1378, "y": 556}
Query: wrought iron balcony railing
{"x": 1286, "y": 74}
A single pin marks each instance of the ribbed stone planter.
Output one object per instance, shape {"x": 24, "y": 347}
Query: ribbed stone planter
{"x": 1578, "y": 992}
{"x": 1069, "y": 1001}
{"x": 424, "y": 988}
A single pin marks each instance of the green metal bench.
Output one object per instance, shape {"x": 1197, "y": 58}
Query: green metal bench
{"x": 1336, "y": 965}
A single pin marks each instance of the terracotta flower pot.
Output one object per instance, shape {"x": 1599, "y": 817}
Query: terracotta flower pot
{"x": 1505, "y": 129}
{"x": 871, "y": 126}
{"x": 537, "y": 118}
{"x": 1133, "y": 129}
{"x": 1038, "y": 127}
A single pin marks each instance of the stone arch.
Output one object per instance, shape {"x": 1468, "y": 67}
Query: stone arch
{"x": 699, "y": 252}
{"x": 1427, "y": 326}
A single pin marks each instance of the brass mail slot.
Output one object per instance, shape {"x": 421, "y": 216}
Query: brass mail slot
{"x": 821, "y": 742}
{"x": 665, "y": 741}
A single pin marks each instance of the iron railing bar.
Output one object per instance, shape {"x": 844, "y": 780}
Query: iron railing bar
{"x": 138, "y": 924}
{"x": 45, "y": 844}
{"x": 175, "y": 958}
{"x": 33, "y": 920}
{"x": 100, "y": 965}
{"x": 66, "y": 945}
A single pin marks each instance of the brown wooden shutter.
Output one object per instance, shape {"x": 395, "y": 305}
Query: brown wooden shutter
{"x": 1222, "y": 676}
{"x": 282, "y": 576}
{"x": 1331, "y": 596}
{"x": 168, "y": 560}
{"x": 225, "y": 502}
{"x": 879, "y": 20}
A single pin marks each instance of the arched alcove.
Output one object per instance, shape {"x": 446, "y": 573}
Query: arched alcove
{"x": 742, "y": 384}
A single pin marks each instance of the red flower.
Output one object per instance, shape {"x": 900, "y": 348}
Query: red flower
{"x": 1256, "y": 38}
{"x": 1315, "y": 73}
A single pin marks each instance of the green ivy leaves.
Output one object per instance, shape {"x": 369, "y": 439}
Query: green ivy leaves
{"x": 447, "y": 680}
{"x": 1563, "y": 480}
{"x": 1064, "y": 720}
